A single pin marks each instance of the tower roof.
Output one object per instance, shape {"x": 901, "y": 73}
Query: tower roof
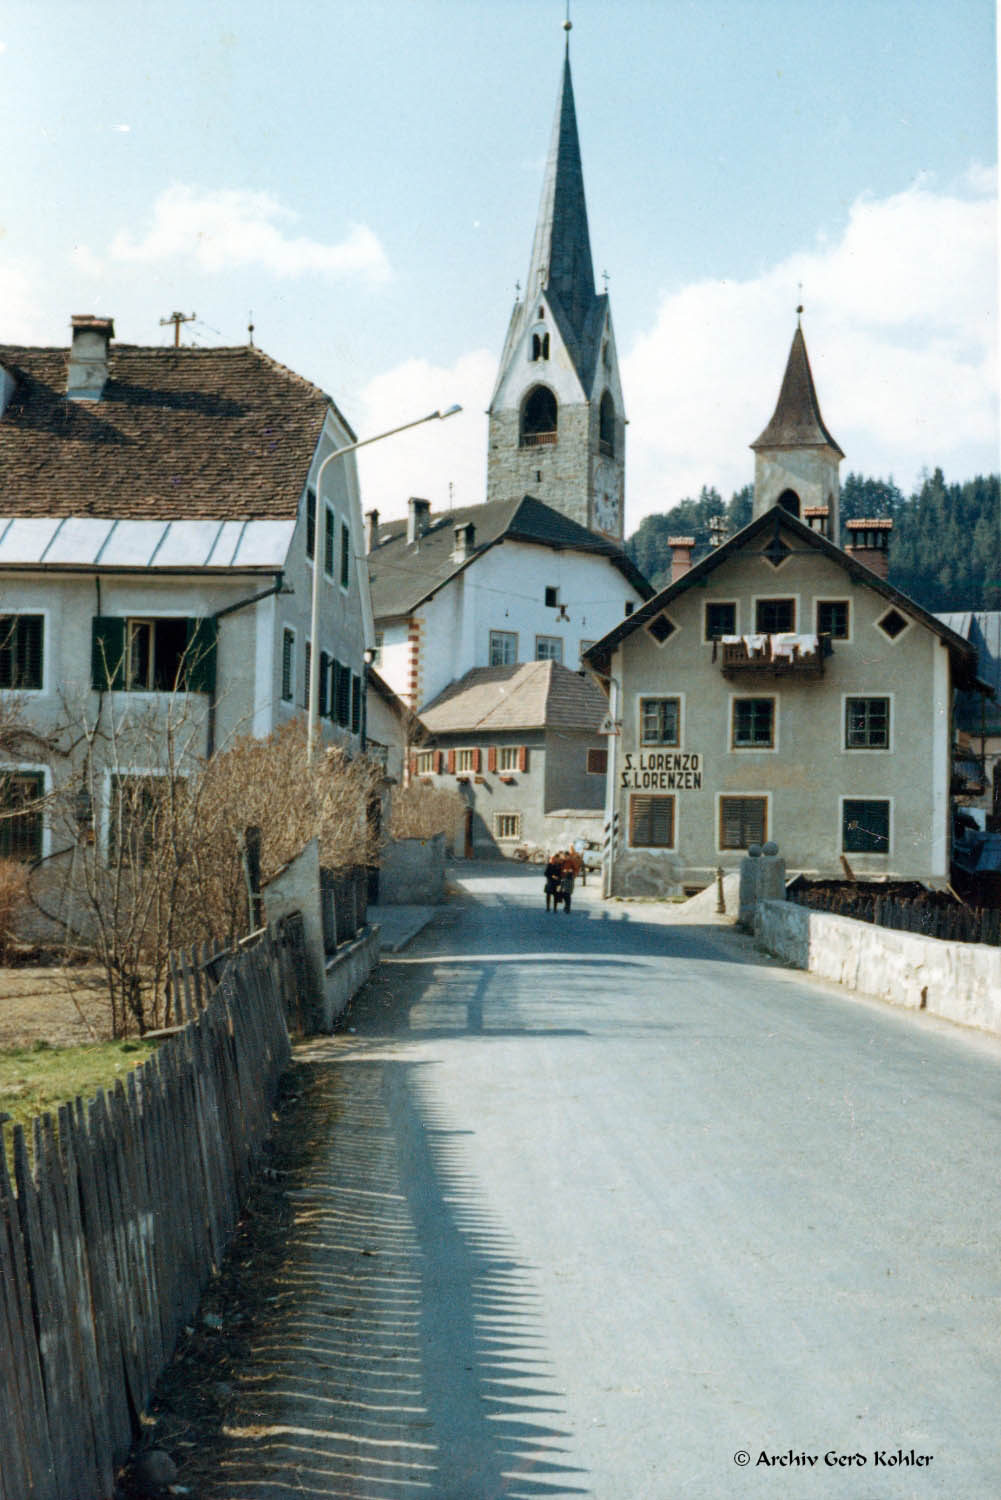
{"x": 796, "y": 421}
{"x": 561, "y": 253}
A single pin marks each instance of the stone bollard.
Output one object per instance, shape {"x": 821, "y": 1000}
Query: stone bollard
{"x": 771, "y": 874}
{"x": 750, "y": 875}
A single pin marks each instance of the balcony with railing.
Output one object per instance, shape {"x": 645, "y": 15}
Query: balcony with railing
{"x": 538, "y": 439}
{"x": 783, "y": 655}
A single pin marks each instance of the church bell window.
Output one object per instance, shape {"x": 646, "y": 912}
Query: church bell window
{"x": 538, "y": 418}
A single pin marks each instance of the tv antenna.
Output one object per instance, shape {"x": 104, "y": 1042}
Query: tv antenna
{"x": 177, "y": 318}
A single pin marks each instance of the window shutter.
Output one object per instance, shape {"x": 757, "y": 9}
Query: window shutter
{"x": 324, "y": 683}
{"x": 492, "y": 758}
{"x": 413, "y": 767}
{"x": 335, "y": 688}
{"x": 107, "y": 653}
{"x": 476, "y": 761}
{"x": 451, "y": 762}
{"x": 199, "y": 656}
{"x": 355, "y": 703}
{"x": 437, "y": 762}
{"x": 522, "y": 757}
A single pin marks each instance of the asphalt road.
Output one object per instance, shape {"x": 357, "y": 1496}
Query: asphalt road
{"x": 608, "y": 1202}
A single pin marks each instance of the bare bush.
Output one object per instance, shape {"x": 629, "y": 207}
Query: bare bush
{"x": 419, "y": 812}
{"x": 13, "y": 902}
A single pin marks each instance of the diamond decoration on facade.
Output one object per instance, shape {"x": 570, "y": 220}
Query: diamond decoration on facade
{"x": 660, "y": 628}
{"x": 892, "y": 623}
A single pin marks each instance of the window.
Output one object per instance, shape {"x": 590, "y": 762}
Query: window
{"x": 507, "y": 825}
{"x": 552, "y": 598}
{"x": 311, "y": 523}
{"x": 503, "y": 648}
{"x": 288, "y": 665}
{"x": 158, "y": 654}
{"x": 630, "y": 606}
{"x": 867, "y": 723}
{"x": 597, "y": 761}
{"x": 424, "y": 763}
{"x": 789, "y": 500}
{"x": 509, "y": 758}
{"x": 466, "y": 760}
{"x": 660, "y": 721}
{"x": 892, "y": 623}
{"x": 22, "y": 642}
{"x": 549, "y": 648}
{"x": 540, "y": 346}
{"x": 377, "y": 653}
{"x": 651, "y": 822}
{"x": 606, "y": 425}
{"x": 345, "y": 556}
{"x": 753, "y": 723}
{"x": 21, "y": 823}
{"x": 742, "y": 821}
{"x": 775, "y": 616}
{"x": 585, "y": 646}
{"x": 834, "y": 618}
{"x": 329, "y": 532}
{"x": 865, "y": 826}
{"x": 721, "y": 619}
{"x": 538, "y": 418}
{"x": 343, "y": 691}
{"x": 661, "y": 628}
{"x": 323, "y": 699}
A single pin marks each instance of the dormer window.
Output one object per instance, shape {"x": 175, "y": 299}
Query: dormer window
{"x": 540, "y": 346}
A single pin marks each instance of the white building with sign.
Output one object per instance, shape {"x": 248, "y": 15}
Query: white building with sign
{"x": 781, "y": 689}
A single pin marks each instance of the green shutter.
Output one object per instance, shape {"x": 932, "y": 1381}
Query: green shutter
{"x": 200, "y": 655}
{"x": 107, "y": 653}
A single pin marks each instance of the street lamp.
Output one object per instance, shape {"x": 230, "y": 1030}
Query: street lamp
{"x": 314, "y": 616}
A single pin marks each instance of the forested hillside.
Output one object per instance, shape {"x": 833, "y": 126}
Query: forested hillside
{"x": 945, "y": 550}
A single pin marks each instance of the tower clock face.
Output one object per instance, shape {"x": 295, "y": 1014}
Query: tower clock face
{"x": 606, "y": 511}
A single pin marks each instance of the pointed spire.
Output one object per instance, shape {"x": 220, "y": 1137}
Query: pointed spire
{"x": 561, "y": 255}
{"x": 796, "y": 421}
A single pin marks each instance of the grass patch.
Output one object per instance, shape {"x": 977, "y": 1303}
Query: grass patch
{"x": 39, "y": 1078}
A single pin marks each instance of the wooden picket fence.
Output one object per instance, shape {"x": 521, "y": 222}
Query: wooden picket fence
{"x": 108, "y": 1237}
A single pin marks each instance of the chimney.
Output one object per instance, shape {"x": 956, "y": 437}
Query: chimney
{"x": 88, "y": 366}
{"x": 818, "y": 518}
{"x": 372, "y": 517}
{"x": 681, "y": 555}
{"x": 418, "y": 519}
{"x": 869, "y": 543}
{"x": 465, "y": 538}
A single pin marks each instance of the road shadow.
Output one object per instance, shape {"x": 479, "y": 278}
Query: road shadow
{"x": 399, "y": 1351}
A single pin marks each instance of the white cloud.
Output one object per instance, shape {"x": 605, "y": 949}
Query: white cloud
{"x": 226, "y": 228}
{"x": 24, "y": 321}
{"x": 901, "y": 325}
{"x": 426, "y": 461}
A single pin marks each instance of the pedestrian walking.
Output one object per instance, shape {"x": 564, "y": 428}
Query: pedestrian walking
{"x": 553, "y": 874}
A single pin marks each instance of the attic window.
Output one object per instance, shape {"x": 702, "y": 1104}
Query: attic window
{"x": 542, "y": 312}
{"x": 552, "y": 598}
{"x": 661, "y": 628}
{"x": 892, "y": 623}
{"x": 777, "y": 551}
{"x": 540, "y": 346}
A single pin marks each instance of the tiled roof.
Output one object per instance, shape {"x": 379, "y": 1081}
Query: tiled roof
{"x": 219, "y": 434}
{"x": 403, "y": 576}
{"x": 534, "y": 695}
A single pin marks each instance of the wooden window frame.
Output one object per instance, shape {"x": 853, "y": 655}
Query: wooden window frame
{"x": 642, "y": 804}
{"x": 843, "y": 843}
{"x": 866, "y": 743}
{"x": 14, "y": 646}
{"x": 764, "y": 601}
{"x": 641, "y": 735}
{"x": 559, "y": 641}
{"x": 515, "y": 818}
{"x": 718, "y": 604}
{"x": 13, "y": 843}
{"x": 736, "y": 702}
{"x": 596, "y": 760}
{"x": 496, "y": 636}
{"x": 723, "y": 797}
{"x": 820, "y": 604}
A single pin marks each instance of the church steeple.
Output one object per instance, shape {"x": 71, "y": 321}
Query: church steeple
{"x": 561, "y": 253}
{"x": 557, "y": 424}
{"x": 796, "y": 458}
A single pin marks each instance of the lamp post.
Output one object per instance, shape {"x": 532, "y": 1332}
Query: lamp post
{"x": 314, "y": 615}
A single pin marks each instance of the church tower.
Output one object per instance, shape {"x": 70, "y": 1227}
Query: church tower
{"x": 795, "y": 458}
{"x": 556, "y": 420}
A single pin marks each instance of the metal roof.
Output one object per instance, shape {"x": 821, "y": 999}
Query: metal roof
{"x": 90, "y": 542}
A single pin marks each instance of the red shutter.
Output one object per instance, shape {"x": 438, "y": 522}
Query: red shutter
{"x": 413, "y": 766}
{"x": 492, "y": 758}
{"x": 437, "y": 762}
{"x": 451, "y": 762}
{"x": 522, "y": 757}
{"x": 476, "y": 761}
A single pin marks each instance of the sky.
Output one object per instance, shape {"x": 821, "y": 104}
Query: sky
{"x": 361, "y": 181}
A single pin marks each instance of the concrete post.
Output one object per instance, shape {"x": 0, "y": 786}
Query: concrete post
{"x": 750, "y": 871}
{"x": 771, "y": 874}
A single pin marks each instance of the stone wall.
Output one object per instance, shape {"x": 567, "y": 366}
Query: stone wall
{"x": 412, "y": 872}
{"x": 960, "y": 982}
